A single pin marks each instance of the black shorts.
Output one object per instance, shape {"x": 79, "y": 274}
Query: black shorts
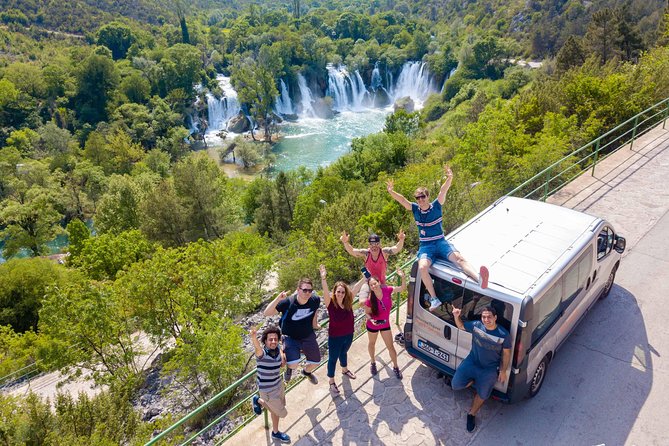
{"x": 372, "y": 330}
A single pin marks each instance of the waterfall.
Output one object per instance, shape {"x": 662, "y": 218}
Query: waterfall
{"x": 376, "y": 78}
{"x": 414, "y": 81}
{"x": 220, "y": 111}
{"x": 284, "y": 106}
{"x": 348, "y": 92}
{"x": 307, "y": 110}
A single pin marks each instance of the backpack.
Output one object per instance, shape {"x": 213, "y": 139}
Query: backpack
{"x": 291, "y": 301}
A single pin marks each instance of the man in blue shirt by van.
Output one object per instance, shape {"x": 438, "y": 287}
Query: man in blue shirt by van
{"x": 433, "y": 244}
{"x": 487, "y": 361}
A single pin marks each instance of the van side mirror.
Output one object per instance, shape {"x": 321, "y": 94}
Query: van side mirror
{"x": 620, "y": 244}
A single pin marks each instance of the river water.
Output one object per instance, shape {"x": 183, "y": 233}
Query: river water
{"x": 314, "y": 142}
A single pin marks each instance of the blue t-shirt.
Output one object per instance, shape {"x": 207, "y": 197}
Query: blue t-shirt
{"x": 428, "y": 222}
{"x": 487, "y": 345}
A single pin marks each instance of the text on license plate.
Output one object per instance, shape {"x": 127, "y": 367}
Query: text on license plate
{"x": 433, "y": 350}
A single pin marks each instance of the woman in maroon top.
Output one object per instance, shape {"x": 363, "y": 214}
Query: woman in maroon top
{"x": 340, "y": 328}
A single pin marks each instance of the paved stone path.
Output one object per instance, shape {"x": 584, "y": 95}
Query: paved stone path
{"x": 629, "y": 189}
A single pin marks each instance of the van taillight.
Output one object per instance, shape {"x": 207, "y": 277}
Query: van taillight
{"x": 519, "y": 354}
{"x": 410, "y": 304}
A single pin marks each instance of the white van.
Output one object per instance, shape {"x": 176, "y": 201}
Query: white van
{"x": 548, "y": 266}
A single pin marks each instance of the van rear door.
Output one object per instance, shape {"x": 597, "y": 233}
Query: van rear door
{"x": 434, "y": 333}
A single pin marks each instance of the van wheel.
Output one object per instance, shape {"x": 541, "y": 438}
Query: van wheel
{"x": 538, "y": 378}
{"x": 609, "y": 283}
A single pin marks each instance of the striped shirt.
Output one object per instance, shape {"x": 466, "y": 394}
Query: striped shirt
{"x": 428, "y": 222}
{"x": 269, "y": 373}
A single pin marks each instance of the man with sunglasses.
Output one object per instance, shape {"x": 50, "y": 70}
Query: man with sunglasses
{"x": 376, "y": 257}
{"x": 299, "y": 314}
{"x": 433, "y": 244}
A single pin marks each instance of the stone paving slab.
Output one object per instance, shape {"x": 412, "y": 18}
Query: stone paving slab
{"x": 629, "y": 189}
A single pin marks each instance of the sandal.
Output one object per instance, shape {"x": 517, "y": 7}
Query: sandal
{"x": 350, "y": 374}
{"x": 334, "y": 390}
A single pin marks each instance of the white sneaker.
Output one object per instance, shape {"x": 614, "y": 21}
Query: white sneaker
{"x": 434, "y": 303}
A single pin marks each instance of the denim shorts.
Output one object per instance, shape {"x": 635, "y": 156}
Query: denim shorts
{"x": 484, "y": 379}
{"x": 308, "y": 346}
{"x": 433, "y": 251}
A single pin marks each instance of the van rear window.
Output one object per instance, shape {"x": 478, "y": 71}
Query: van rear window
{"x": 471, "y": 303}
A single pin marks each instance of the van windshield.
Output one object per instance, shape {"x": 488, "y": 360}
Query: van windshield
{"x": 452, "y": 295}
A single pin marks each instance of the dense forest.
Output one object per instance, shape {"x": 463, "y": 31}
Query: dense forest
{"x": 96, "y": 142}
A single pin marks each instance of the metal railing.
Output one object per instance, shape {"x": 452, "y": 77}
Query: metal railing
{"x": 540, "y": 186}
{"x": 244, "y": 380}
{"x": 561, "y": 172}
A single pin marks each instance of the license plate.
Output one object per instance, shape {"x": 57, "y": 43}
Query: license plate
{"x": 433, "y": 350}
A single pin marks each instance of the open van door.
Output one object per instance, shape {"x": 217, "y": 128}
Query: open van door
{"x": 434, "y": 334}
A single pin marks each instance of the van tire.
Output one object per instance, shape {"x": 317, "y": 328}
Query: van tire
{"x": 609, "y": 284}
{"x": 538, "y": 377}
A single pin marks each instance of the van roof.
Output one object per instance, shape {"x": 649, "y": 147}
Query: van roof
{"x": 520, "y": 239}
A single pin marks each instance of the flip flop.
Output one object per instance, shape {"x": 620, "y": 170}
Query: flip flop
{"x": 334, "y": 389}
{"x": 485, "y": 274}
{"x": 350, "y": 374}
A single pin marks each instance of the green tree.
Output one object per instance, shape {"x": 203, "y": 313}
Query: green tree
{"x": 602, "y": 35}
{"x": 181, "y": 66}
{"x": 256, "y": 87}
{"x": 136, "y": 88}
{"x": 30, "y": 223}
{"x": 99, "y": 322}
{"x": 570, "y": 55}
{"x": 202, "y": 190}
{"x": 164, "y": 218}
{"x": 118, "y": 209}
{"x": 117, "y": 37}
{"x": 78, "y": 233}
{"x": 96, "y": 80}
{"x": 103, "y": 256}
{"x": 23, "y": 284}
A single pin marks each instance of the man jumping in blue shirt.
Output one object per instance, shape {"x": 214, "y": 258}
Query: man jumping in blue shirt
{"x": 433, "y": 244}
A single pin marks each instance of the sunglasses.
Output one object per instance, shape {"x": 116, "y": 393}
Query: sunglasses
{"x": 306, "y": 290}
{"x": 420, "y": 197}
{"x": 375, "y": 243}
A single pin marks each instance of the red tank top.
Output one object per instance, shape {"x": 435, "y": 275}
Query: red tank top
{"x": 377, "y": 268}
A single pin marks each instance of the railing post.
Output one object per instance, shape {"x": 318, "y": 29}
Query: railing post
{"x": 397, "y": 304}
{"x": 266, "y": 417}
{"x": 594, "y": 163}
{"x": 636, "y": 122}
{"x": 666, "y": 112}
{"x": 548, "y": 179}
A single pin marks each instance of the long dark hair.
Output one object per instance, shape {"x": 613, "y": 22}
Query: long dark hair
{"x": 373, "y": 298}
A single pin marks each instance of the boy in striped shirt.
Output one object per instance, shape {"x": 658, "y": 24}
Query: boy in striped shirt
{"x": 269, "y": 360}
{"x": 433, "y": 244}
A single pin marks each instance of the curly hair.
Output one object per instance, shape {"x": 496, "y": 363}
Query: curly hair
{"x": 269, "y": 330}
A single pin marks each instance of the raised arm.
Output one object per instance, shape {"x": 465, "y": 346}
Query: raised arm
{"x": 324, "y": 284}
{"x": 398, "y": 246}
{"x": 350, "y": 249}
{"x": 403, "y": 284}
{"x": 447, "y": 184}
{"x": 271, "y": 308}
{"x": 458, "y": 321}
{"x": 256, "y": 343}
{"x": 406, "y": 204}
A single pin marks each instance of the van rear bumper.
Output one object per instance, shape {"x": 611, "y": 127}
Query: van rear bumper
{"x": 427, "y": 360}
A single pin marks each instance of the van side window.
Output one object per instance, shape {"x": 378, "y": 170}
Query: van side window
{"x": 546, "y": 311}
{"x": 605, "y": 241}
{"x": 574, "y": 280}
{"x": 471, "y": 303}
